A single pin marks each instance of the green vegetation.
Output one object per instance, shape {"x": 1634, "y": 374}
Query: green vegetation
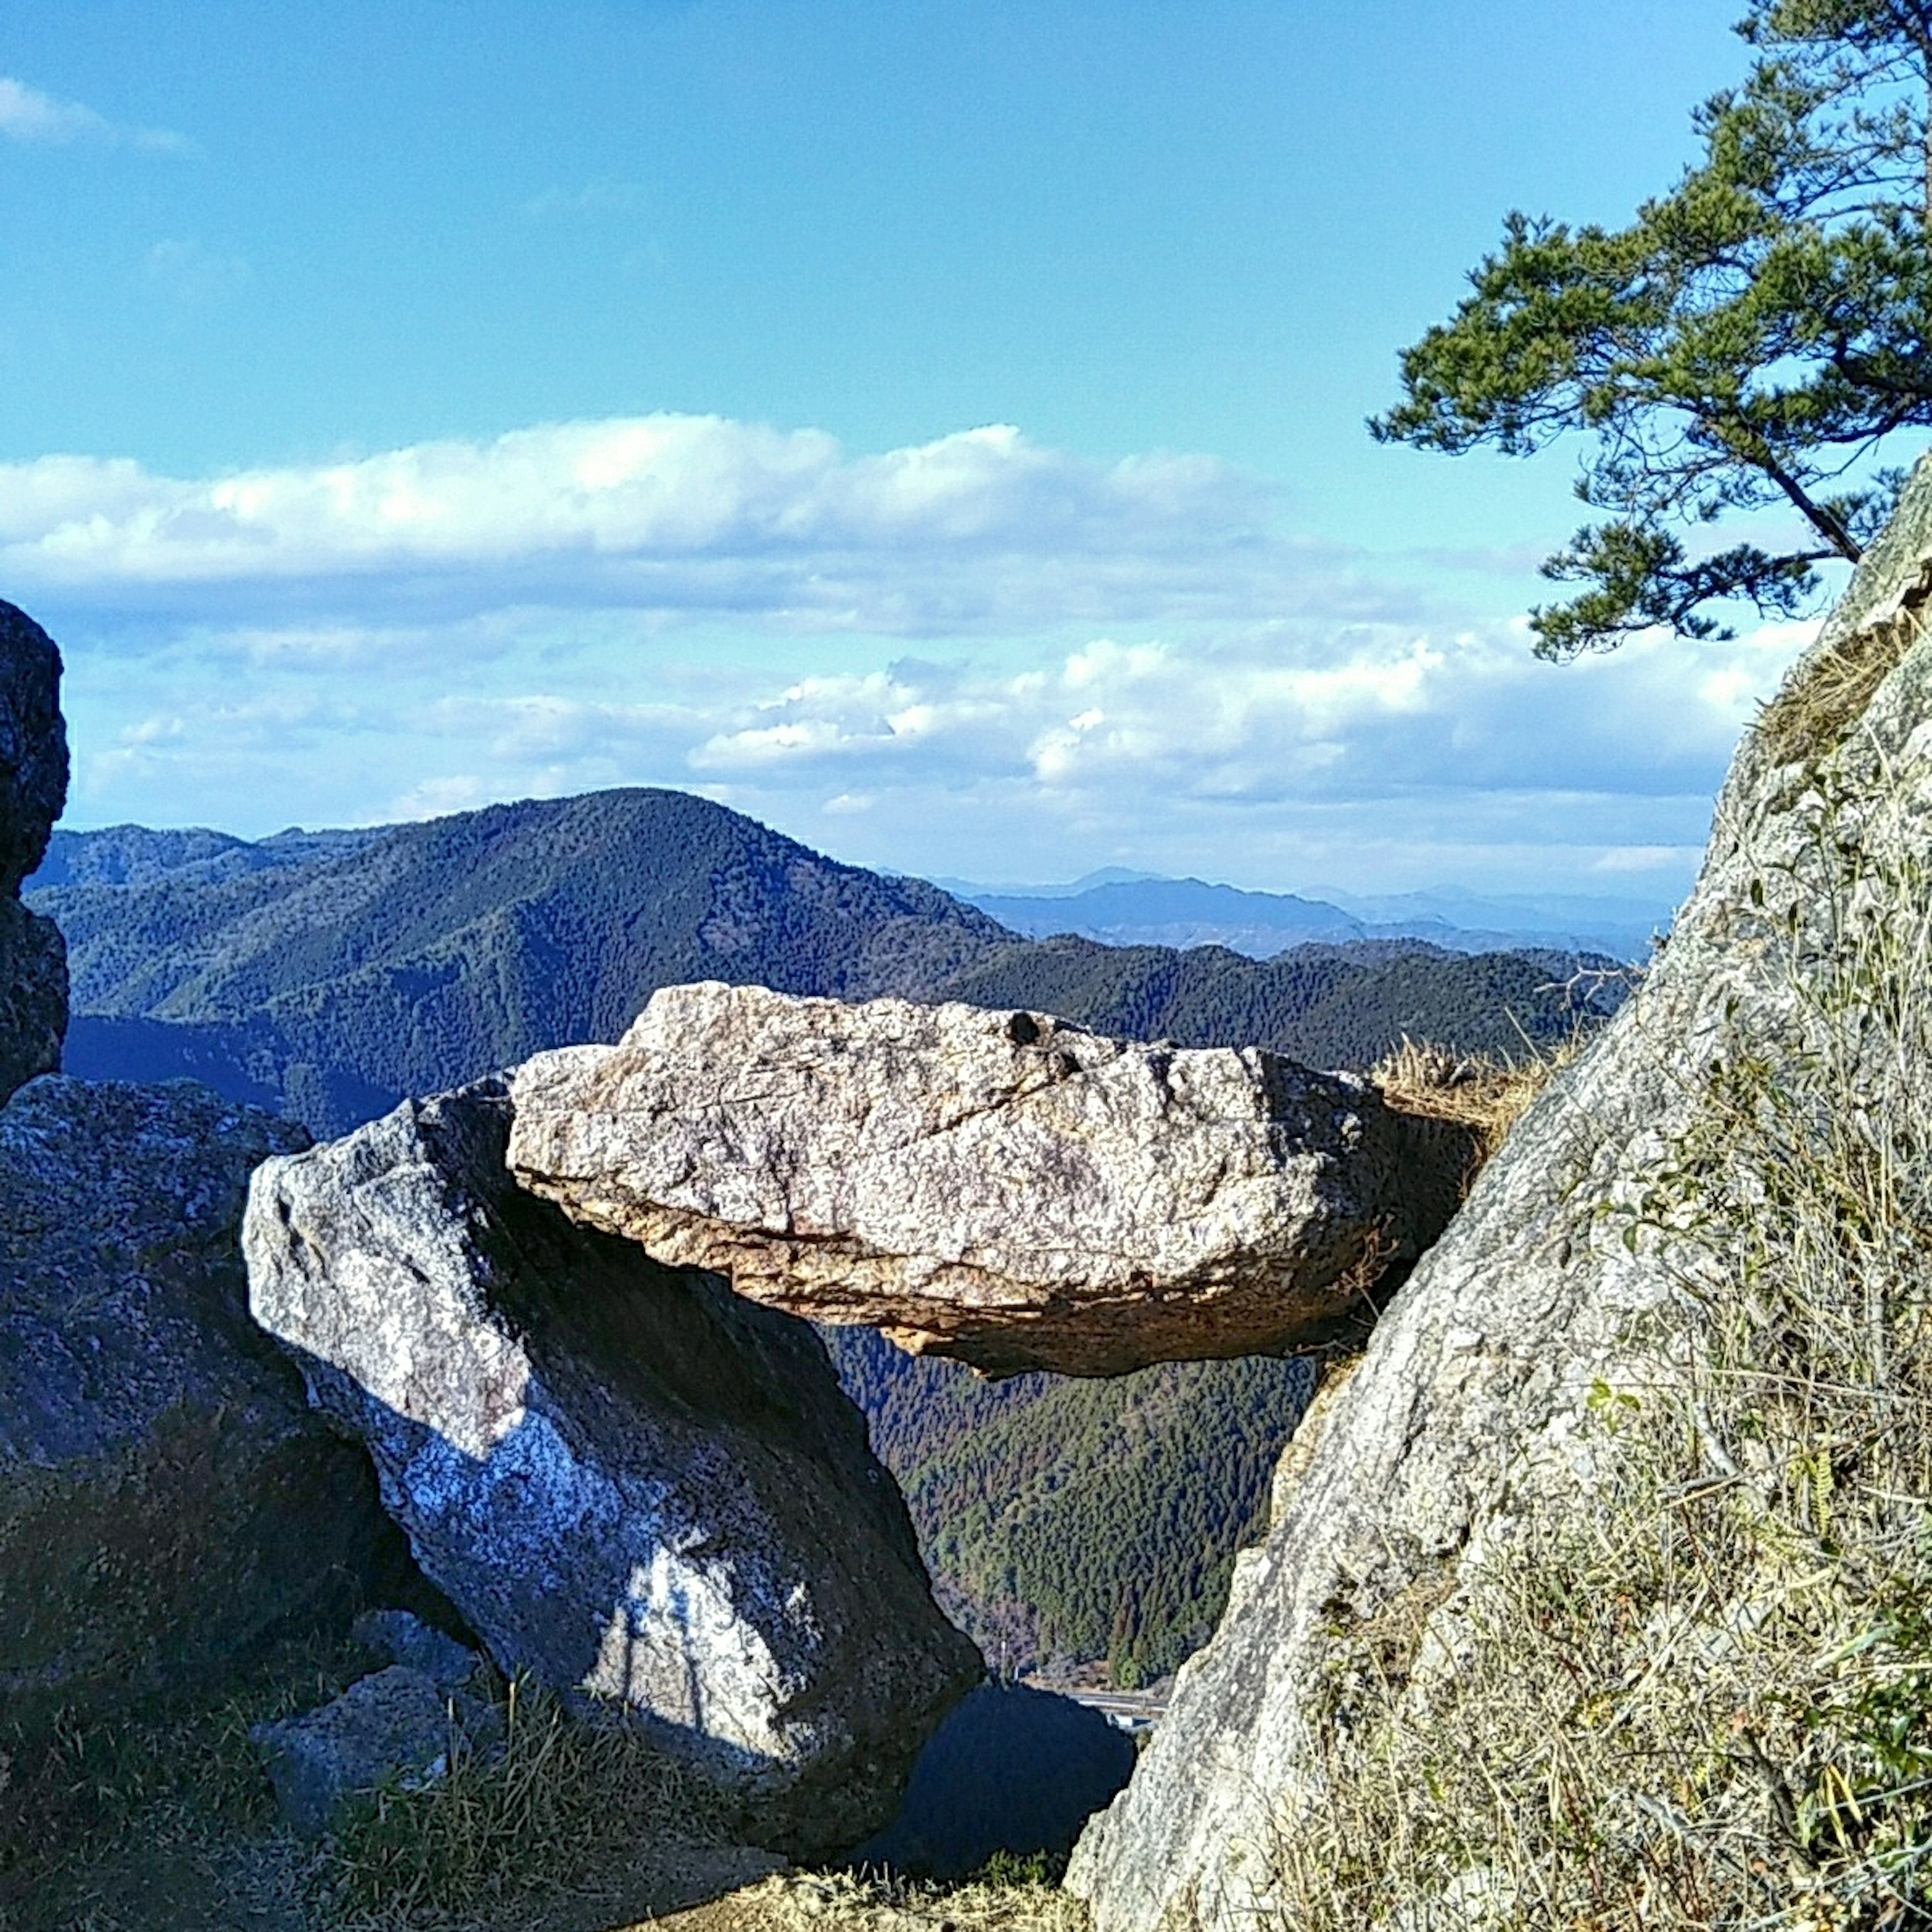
{"x": 1326, "y": 1005}
{"x": 1704, "y": 1696}
{"x": 1067, "y": 1520}
{"x": 1747, "y": 344}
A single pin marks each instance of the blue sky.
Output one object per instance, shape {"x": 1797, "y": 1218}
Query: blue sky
{"x": 935, "y": 429}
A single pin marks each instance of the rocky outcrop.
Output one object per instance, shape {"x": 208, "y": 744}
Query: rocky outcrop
{"x": 645, "y": 1491}
{"x": 33, "y": 788}
{"x": 1001, "y": 1187}
{"x": 167, "y": 1502}
{"x": 399, "y": 1727}
{"x": 1471, "y": 1413}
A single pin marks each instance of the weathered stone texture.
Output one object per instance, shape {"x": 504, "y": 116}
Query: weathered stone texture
{"x": 1002, "y": 1187}
{"x": 33, "y": 788}
{"x": 1468, "y": 1408}
{"x": 631, "y": 1483}
{"x": 167, "y": 1502}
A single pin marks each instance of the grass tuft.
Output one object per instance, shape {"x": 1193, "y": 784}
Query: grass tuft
{"x": 1487, "y": 1094}
{"x": 1820, "y": 702}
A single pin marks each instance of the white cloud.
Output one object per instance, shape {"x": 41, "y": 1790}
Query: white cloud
{"x": 26, "y": 115}
{"x": 1121, "y": 663}
{"x": 688, "y": 515}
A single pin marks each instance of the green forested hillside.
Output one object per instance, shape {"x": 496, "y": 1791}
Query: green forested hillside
{"x": 328, "y": 974}
{"x": 1066, "y": 1520}
{"x": 1326, "y": 1005}
{"x": 343, "y": 976}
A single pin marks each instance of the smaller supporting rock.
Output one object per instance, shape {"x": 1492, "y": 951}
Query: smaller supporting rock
{"x": 632, "y": 1485}
{"x": 396, "y": 1727}
{"x": 1001, "y": 1187}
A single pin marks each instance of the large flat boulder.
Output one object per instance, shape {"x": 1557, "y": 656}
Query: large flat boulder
{"x": 168, "y": 1503}
{"x": 33, "y": 788}
{"x": 1002, "y": 1187}
{"x": 646, "y": 1491}
{"x": 1465, "y": 1537}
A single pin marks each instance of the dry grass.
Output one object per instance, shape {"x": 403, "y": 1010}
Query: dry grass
{"x": 1486, "y": 1095}
{"x": 564, "y": 1806}
{"x": 1703, "y": 1697}
{"x": 127, "y": 1825}
{"x": 818, "y": 1901}
{"x": 1809, "y": 716}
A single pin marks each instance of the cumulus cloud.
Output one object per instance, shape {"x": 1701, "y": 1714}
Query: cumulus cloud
{"x": 695, "y": 514}
{"x": 977, "y": 656}
{"x": 26, "y": 115}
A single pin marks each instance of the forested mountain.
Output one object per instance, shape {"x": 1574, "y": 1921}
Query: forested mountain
{"x": 326, "y": 974}
{"x": 1327, "y": 1005}
{"x": 339, "y": 977}
{"x": 1067, "y": 1520}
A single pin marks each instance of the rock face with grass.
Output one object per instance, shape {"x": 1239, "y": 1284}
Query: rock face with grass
{"x": 1001, "y": 1187}
{"x": 645, "y": 1491}
{"x": 33, "y": 788}
{"x": 1573, "y": 1312}
{"x": 167, "y": 1502}
{"x": 398, "y": 1727}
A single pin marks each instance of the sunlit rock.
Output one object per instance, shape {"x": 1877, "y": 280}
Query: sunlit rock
{"x": 999, "y": 1186}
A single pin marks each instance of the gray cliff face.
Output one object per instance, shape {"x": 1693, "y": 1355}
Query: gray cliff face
{"x": 642, "y": 1489}
{"x": 1005, "y": 1188}
{"x": 167, "y": 1502}
{"x": 1468, "y": 1408}
{"x": 33, "y": 788}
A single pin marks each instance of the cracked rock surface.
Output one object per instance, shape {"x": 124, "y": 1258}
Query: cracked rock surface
{"x": 1002, "y": 1187}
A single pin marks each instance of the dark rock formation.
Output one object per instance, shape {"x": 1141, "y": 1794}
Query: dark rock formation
{"x": 401, "y": 1636}
{"x": 1001, "y": 1187}
{"x": 399, "y": 1726}
{"x": 167, "y": 1502}
{"x": 33, "y": 788}
{"x": 631, "y": 1483}
{"x": 1471, "y": 1413}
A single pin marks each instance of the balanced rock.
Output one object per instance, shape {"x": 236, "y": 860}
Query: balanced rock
{"x": 647, "y": 1493}
{"x": 168, "y": 1504}
{"x": 1476, "y": 1414}
{"x": 1001, "y": 1187}
{"x": 33, "y": 788}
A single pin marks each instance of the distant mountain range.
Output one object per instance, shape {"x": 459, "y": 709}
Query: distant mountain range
{"x": 324, "y": 975}
{"x": 1139, "y": 909}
